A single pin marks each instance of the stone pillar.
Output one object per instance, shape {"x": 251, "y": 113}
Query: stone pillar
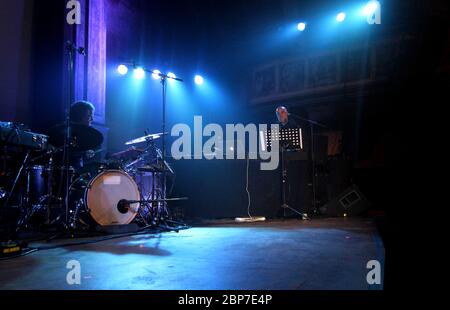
{"x": 90, "y": 70}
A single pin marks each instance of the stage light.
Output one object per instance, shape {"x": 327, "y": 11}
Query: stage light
{"x": 122, "y": 69}
{"x": 340, "y": 17}
{"x": 370, "y": 8}
{"x": 139, "y": 73}
{"x": 156, "y": 74}
{"x": 171, "y": 76}
{"x": 301, "y": 26}
{"x": 199, "y": 80}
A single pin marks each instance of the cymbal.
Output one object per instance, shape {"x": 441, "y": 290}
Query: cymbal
{"x": 83, "y": 137}
{"x": 146, "y": 138}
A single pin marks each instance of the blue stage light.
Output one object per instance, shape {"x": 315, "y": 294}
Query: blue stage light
{"x": 122, "y": 69}
{"x": 340, "y": 17}
{"x": 139, "y": 73}
{"x": 301, "y": 26}
{"x": 198, "y": 80}
{"x": 370, "y": 8}
{"x": 171, "y": 76}
{"x": 156, "y": 74}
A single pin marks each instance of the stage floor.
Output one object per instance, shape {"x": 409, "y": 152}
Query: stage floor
{"x": 274, "y": 255}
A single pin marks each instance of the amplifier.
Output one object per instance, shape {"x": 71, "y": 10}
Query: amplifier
{"x": 19, "y": 135}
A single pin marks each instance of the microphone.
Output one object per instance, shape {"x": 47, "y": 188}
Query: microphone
{"x": 123, "y": 206}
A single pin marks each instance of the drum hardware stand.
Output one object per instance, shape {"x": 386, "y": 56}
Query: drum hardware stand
{"x": 156, "y": 223}
{"x": 30, "y": 209}
{"x": 13, "y": 187}
{"x": 48, "y": 198}
{"x": 16, "y": 180}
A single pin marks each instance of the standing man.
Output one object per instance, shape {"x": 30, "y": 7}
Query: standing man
{"x": 295, "y": 174}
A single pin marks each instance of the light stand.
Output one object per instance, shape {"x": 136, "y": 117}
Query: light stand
{"x": 164, "y": 166}
{"x": 163, "y": 78}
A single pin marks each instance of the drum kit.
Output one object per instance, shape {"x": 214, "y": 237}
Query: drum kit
{"x": 127, "y": 187}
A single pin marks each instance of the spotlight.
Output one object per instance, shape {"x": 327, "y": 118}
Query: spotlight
{"x": 370, "y": 8}
{"x": 199, "y": 80}
{"x": 301, "y": 26}
{"x": 340, "y": 17}
{"x": 122, "y": 69}
{"x": 156, "y": 74}
{"x": 139, "y": 73}
{"x": 171, "y": 76}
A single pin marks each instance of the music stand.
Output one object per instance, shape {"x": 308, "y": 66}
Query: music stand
{"x": 290, "y": 140}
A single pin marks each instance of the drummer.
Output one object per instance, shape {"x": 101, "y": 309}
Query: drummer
{"x": 82, "y": 112}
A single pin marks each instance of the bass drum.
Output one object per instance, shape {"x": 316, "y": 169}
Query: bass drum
{"x": 101, "y": 195}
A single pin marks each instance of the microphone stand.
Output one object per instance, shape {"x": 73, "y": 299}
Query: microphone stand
{"x": 313, "y": 155}
{"x": 71, "y": 49}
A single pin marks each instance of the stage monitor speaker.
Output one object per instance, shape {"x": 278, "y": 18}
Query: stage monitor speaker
{"x": 350, "y": 203}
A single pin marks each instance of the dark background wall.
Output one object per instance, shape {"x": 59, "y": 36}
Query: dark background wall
{"x": 15, "y": 30}
{"x": 32, "y": 56}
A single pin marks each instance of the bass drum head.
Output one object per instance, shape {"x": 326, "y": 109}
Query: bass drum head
{"x": 105, "y": 191}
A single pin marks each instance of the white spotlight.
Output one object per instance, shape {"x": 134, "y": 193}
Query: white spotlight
{"x": 199, "y": 80}
{"x": 139, "y": 73}
{"x": 340, "y": 17}
{"x": 122, "y": 69}
{"x": 156, "y": 74}
{"x": 370, "y": 8}
{"x": 171, "y": 76}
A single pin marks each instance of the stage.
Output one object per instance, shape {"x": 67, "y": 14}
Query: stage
{"x": 325, "y": 254}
